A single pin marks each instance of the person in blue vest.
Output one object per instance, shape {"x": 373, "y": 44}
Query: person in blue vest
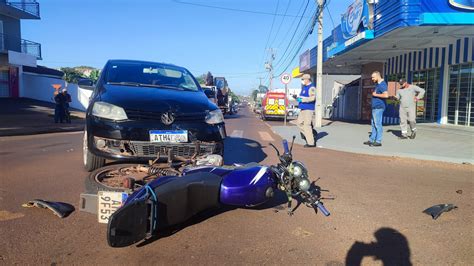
{"x": 307, "y": 99}
{"x": 379, "y": 96}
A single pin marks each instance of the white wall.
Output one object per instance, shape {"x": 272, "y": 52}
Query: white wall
{"x": 40, "y": 87}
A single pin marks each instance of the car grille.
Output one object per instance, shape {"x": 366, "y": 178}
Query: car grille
{"x": 156, "y": 116}
{"x": 147, "y": 149}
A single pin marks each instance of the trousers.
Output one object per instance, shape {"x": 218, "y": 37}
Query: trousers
{"x": 407, "y": 116}
{"x": 305, "y": 118}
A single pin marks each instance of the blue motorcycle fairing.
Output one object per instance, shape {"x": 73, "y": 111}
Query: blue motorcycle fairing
{"x": 249, "y": 186}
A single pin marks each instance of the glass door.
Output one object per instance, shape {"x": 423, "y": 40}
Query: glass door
{"x": 427, "y": 108}
{"x": 460, "y": 101}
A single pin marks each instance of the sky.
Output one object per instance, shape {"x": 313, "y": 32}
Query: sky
{"x": 230, "y": 38}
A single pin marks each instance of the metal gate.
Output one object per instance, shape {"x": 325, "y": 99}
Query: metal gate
{"x": 461, "y": 95}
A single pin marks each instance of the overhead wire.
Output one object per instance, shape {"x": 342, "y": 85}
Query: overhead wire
{"x": 309, "y": 32}
{"x": 234, "y": 9}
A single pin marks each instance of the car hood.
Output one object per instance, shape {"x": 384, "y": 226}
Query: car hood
{"x": 156, "y": 99}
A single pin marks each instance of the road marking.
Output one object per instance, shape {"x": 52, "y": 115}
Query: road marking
{"x": 237, "y": 134}
{"x": 265, "y": 136}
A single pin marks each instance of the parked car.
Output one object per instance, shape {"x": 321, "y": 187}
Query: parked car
{"x": 144, "y": 110}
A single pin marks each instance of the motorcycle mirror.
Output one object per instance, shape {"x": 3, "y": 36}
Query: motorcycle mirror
{"x": 292, "y": 142}
{"x": 278, "y": 152}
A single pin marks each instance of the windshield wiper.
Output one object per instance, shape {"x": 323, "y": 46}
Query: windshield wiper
{"x": 136, "y": 84}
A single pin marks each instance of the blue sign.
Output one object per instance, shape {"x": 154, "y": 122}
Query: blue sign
{"x": 358, "y": 16}
{"x": 463, "y": 4}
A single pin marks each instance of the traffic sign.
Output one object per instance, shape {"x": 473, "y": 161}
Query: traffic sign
{"x": 285, "y": 78}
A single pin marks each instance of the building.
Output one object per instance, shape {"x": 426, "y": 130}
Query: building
{"x": 430, "y": 43}
{"x": 16, "y": 52}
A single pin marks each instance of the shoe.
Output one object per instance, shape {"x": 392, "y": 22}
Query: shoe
{"x": 404, "y": 137}
{"x": 413, "y": 135}
{"x": 309, "y": 146}
{"x": 368, "y": 143}
{"x": 376, "y": 144}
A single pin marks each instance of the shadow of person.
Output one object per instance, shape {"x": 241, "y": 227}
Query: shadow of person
{"x": 242, "y": 151}
{"x": 391, "y": 247}
{"x": 396, "y": 133}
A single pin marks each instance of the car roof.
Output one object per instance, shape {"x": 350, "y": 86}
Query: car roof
{"x": 118, "y": 61}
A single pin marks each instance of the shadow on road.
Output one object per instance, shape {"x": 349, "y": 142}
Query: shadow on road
{"x": 242, "y": 151}
{"x": 396, "y": 133}
{"x": 391, "y": 247}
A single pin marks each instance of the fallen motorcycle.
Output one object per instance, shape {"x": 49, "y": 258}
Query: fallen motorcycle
{"x": 171, "y": 199}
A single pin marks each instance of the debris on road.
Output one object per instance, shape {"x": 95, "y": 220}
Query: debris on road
{"x": 459, "y": 191}
{"x": 436, "y": 210}
{"x": 60, "y": 209}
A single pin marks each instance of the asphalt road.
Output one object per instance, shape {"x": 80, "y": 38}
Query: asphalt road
{"x": 376, "y": 216}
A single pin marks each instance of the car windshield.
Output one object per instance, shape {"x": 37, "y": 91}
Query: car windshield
{"x": 150, "y": 75}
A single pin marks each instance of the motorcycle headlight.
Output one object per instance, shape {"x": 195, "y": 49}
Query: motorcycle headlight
{"x": 215, "y": 117}
{"x": 297, "y": 169}
{"x": 109, "y": 111}
{"x": 304, "y": 184}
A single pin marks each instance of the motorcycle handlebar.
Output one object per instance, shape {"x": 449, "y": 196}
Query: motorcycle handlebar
{"x": 285, "y": 146}
{"x": 323, "y": 209}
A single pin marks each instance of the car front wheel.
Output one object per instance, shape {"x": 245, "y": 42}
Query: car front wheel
{"x": 91, "y": 161}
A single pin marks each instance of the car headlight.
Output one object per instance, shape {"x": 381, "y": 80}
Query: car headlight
{"x": 109, "y": 111}
{"x": 215, "y": 117}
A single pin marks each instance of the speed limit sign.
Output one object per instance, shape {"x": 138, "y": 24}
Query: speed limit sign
{"x": 285, "y": 78}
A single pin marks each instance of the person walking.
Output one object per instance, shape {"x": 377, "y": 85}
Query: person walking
{"x": 59, "y": 106}
{"x": 379, "y": 96}
{"x": 307, "y": 99}
{"x": 67, "y": 100}
{"x": 408, "y": 95}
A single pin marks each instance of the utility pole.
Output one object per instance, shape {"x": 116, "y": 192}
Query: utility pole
{"x": 260, "y": 78}
{"x": 319, "y": 69}
{"x": 269, "y": 67}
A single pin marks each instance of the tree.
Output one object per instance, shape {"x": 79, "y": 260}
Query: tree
{"x": 262, "y": 89}
{"x": 254, "y": 94}
{"x": 94, "y": 76}
{"x": 201, "y": 79}
{"x": 209, "y": 79}
{"x": 234, "y": 96}
{"x": 71, "y": 75}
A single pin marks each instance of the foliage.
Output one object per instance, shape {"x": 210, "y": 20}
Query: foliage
{"x": 234, "y": 96}
{"x": 94, "y": 76}
{"x": 254, "y": 94}
{"x": 262, "y": 89}
{"x": 201, "y": 79}
{"x": 71, "y": 75}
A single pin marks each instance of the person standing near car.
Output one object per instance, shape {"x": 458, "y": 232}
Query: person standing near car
{"x": 59, "y": 106}
{"x": 408, "y": 95}
{"x": 67, "y": 100}
{"x": 379, "y": 96}
{"x": 307, "y": 99}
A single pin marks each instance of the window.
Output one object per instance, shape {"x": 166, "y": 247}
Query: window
{"x": 461, "y": 95}
{"x": 427, "y": 108}
{"x": 151, "y": 74}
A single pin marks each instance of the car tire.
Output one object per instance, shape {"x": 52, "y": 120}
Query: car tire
{"x": 93, "y": 185}
{"x": 91, "y": 161}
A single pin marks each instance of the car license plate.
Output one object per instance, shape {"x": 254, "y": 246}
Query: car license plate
{"x": 109, "y": 202}
{"x": 172, "y": 136}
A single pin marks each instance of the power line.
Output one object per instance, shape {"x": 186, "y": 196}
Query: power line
{"x": 271, "y": 29}
{"x": 294, "y": 33}
{"x": 281, "y": 23}
{"x": 298, "y": 41}
{"x": 309, "y": 32}
{"x": 233, "y": 9}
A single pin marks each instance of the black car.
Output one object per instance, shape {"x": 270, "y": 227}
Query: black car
{"x": 145, "y": 110}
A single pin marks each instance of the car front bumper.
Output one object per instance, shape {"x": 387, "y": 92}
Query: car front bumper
{"x": 131, "y": 139}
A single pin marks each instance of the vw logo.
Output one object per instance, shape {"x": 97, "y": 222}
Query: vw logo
{"x": 167, "y": 118}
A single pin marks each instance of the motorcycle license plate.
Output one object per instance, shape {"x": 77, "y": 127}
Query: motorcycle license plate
{"x": 170, "y": 136}
{"x": 109, "y": 202}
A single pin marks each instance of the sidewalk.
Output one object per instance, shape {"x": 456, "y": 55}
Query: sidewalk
{"x": 433, "y": 142}
{"x": 25, "y": 116}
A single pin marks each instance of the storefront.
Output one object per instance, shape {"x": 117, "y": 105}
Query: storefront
{"x": 431, "y": 45}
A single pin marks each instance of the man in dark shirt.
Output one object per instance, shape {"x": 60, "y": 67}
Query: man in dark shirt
{"x": 379, "y": 96}
{"x": 59, "y": 108}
